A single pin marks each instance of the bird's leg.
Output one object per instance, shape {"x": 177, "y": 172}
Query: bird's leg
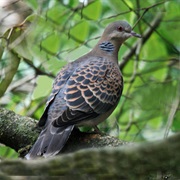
{"x": 97, "y": 130}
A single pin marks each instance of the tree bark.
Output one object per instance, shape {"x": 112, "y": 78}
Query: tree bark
{"x": 155, "y": 160}
{"x": 20, "y": 133}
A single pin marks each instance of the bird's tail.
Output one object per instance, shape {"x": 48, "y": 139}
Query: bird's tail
{"x": 50, "y": 142}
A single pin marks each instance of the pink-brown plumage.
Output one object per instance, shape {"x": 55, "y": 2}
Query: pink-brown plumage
{"x": 85, "y": 92}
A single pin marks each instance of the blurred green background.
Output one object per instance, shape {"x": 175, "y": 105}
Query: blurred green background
{"x": 49, "y": 34}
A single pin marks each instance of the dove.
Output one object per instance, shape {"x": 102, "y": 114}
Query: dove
{"x": 85, "y": 92}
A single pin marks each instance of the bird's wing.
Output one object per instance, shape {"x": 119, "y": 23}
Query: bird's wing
{"x": 86, "y": 89}
{"x": 52, "y": 139}
{"x": 93, "y": 88}
{"x": 60, "y": 80}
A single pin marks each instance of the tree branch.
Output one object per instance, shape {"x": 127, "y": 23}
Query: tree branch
{"x": 16, "y": 131}
{"x": 20, "y": 133}
{"x": 157, "y": 160}
{"x": 154, "y": 24}
{"x": 125, "y": 162}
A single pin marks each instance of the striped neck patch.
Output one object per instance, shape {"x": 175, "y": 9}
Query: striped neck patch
{"x": 107, "y": 46}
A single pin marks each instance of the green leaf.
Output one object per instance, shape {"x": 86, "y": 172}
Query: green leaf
{"x": 7, "y": 152}
{"x": 176, "y": 122}
{"x": 80, "y": 31}
{"x": 51, "y": 43}
{"x": 93, "y": 10}
{"x": 44, "y": 86}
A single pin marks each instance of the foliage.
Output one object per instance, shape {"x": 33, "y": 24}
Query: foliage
{"x": 57, "y": 32}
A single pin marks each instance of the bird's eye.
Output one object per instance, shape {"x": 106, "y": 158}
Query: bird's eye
{"x": 120, "y": 28}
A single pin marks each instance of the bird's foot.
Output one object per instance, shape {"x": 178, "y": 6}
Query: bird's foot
{"x": 97, "y": 130}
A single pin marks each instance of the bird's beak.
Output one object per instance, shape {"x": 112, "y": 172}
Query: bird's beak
{"x": 135, "y": 34}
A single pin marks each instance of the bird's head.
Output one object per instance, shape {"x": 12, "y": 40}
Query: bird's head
{"x": 119, "y": 31}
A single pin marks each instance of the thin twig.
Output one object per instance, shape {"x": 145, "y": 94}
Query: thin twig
{"x": 154, "y": 24}
{"x": 172, "y": 112}
{"x": 38, "y": 71}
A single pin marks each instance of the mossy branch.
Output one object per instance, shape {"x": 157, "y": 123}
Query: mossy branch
{"x": 158, "y": 159}
{"x": 20, "y": 133}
